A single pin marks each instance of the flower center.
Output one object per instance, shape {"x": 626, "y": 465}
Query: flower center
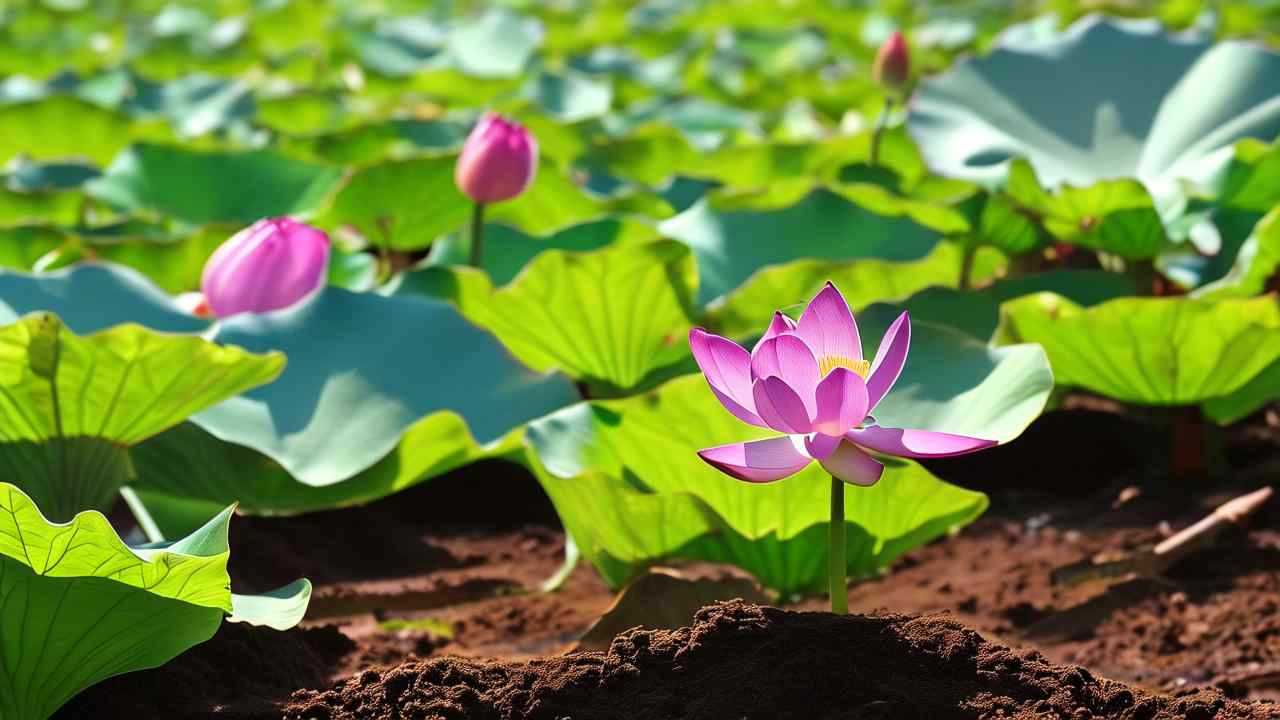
{"x": 831, "y": 362}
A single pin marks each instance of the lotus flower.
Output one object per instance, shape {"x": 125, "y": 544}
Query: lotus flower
{"x": 809, "y": 381}
{"x": 498, "y": 160}
{"x": 269, "y": 265}
{"x": 892, "y": 66}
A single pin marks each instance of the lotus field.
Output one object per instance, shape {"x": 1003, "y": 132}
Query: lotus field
{"x": 666, "y": 359}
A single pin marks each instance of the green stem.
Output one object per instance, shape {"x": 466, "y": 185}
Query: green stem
{"x": 881, "y": 122}
{"x": 838, "y": 567}
{"x": 477, "y": 235}
{"x": 966, "y": 265}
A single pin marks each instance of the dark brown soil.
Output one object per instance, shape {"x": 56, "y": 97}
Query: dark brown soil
{"x": 746, "y": 661}
{"x": 1078, "y": 485}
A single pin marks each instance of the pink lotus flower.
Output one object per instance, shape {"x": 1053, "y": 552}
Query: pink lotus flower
{"x": 498, "y": 160}
{"x": 809, "y": 381}
{"x": 269, "y": 265}
{"x": 892, "y": 66}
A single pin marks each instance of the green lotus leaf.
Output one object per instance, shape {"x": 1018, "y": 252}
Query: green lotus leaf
{"x": 78, "y": 606}
{"x": 341, "y": 406}
{"x": 409, "y": 204}
{"x": 1151, "y": 351}
{"x": 608, "y": 318}
{"x": 507, "y": 250}
{"x": 64, "y": 128}
{"x": 71, "y": 406}
{"x": 733, "y": 243}
{"x": 25, "y": 246}
{"x": 206, "y": 187}
{"x": 628, "y": 485}
{"x": 863, "y": 282}
{"x": 1242, "y": 268}
{"x": 1250, "y": 181}
{"x": 1228, "y": 254}
{"x": 89, "y": 298}
{"x": 368, "y": 144}
{"x": 497, "y": 44}
{"x": 641, "y": 452}
{"x": 1057, "y": 99}
{"x": 976, "y": 313}
{"x": 569, "y": 97}
{"x": 183, "y": 473}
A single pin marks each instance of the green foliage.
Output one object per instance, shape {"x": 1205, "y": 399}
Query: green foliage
{"x": 90, "y": 607}
{"x": 1152, "y": 351}
{"x": 662, "y": 500}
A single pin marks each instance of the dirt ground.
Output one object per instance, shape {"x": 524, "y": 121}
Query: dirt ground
{"x": 437, "y": 578}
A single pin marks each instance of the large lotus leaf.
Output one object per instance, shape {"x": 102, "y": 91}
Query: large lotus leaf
{"x": 787, "y": 287}
{"x": 204, "y": 187}
{"x": 1153, "y": 351}
{"x": 569, "y": 97}
{"x": 91, "y": 297}
{"x": 733, "y": 243}
{"x": 59, "y": 128}
{"x": 977, "y": 312}
{"x": 123, "y": 384}
{"x": 497, "y": 44}
{"x": 608, "y": 318}
{"x": 627, "y": 482}
{"x": 70, "y": 405}
{"x": 408, "y": 204}
{"x": 185, "y": 472}
{"x": 367, "y": 144}
{"x": 78, "y": 606}
{"x": 1063, "y": 101}
{"x": 340, "y": 406}
{"x": 507, "y": 250}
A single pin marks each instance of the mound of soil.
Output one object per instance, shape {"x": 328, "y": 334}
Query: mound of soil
{"x": 746, "y": 661}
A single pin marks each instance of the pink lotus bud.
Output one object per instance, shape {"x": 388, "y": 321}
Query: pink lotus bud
{"x": 498, "y": 160}
{"x": 892, "y": 67}
{"x": 269, "y": 265}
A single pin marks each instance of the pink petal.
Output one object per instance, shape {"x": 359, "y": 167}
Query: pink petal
{"x": 917, "y": 443}
{"x": 842, "y": 402}
{"x": 780, "y": 325}
{"x": 780, "y": 407}
{"x": 821, "y": 446}
{"x": 828, "y": 328}
{"x": 788, "y": 358}
{"x": 890, "y": 358}
{"x": 727, "y": 367}
{"x": 852, "y": 465}
{"x": 759, "y": 460}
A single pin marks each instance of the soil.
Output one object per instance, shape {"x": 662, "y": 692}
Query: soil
{"x": 462, "y": 573}
{"x": 746, "y": 661}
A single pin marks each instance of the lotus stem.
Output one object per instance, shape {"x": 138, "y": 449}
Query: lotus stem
{"x": 477, "y": 235}
{"x": 966, "y": 266}
{"x": 878, "y": 133}
{"x": 838, "y": 567}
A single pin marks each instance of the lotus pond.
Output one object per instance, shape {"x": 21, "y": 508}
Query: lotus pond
{"x": 659, "y": 359}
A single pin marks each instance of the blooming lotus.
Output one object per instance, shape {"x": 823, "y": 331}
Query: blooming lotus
{"x": 809, "y": 381}
{"x": 269, "y": 265}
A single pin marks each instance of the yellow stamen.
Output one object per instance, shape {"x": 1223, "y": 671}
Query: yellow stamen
{"x": 831, "y": 362}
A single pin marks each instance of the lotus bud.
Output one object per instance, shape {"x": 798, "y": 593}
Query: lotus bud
{"x": 498, "y": 160}
{"x": 270, "y": 265}
{"x": 892, "y": 66}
